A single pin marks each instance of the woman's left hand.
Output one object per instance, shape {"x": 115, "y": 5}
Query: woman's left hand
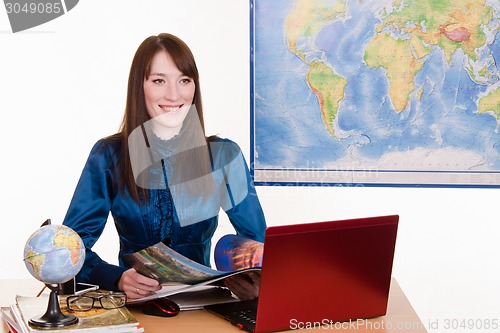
{"x": 245, "y": 287}
{"x": 136, "y": 285}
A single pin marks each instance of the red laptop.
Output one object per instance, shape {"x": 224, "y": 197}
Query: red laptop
{"x": 319, "y": 272}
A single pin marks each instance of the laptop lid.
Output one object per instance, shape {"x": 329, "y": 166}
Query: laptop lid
{"x": 325, "y": 271}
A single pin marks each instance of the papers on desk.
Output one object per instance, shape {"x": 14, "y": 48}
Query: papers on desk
{"x": 197, "y": 299}
{"x": 17, "y": 317}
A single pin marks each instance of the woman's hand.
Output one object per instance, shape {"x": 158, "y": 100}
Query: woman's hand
{"x": 136, "y": 285}
{"x": 245, "y": 287}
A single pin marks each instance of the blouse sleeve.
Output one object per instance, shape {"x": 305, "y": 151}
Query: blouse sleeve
{"x": 88, "y": 213}
{"x": 242, "y": 205}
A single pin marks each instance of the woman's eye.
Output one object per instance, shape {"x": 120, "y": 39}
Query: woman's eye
{"x": 186, "y": 81}
{"x": 158, "y": 81}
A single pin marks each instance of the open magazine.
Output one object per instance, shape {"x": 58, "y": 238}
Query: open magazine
{"x": 178, "y": 274}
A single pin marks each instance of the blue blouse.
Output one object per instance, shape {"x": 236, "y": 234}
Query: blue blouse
{"x": 140, "y": 225}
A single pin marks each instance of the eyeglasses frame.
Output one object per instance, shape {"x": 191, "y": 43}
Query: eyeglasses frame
{"x": 98, "y": 298}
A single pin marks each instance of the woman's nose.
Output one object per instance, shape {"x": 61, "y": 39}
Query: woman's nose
{"x": 171, "y": 92}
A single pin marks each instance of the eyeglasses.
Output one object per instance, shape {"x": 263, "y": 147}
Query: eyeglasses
{"x": 107, "y": 300}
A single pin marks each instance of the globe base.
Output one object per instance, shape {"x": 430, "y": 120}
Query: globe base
{"x": 53, "y": 317}
{"x": 51, "y": 321}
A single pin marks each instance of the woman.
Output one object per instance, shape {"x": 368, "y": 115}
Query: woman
{"x": 160, "y": 177}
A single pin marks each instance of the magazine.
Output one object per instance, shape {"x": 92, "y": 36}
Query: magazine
{"x": 178, "y": 274}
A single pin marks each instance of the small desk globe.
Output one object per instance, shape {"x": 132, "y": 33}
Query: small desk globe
{"x": 54, "y": 254}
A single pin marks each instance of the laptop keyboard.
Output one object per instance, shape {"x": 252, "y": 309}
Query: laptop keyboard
{"x": 244, "y": 319}
{"x": 242, "y": 314}
{"x": 249, "y": 315}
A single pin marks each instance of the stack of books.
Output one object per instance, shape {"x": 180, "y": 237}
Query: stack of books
{"x": 100, "y": 320}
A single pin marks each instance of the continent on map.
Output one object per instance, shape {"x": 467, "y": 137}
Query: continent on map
{"x": 306, "y": 19}
{"x": 329, "y": 88}
{"x": 35, "y": 260}
{"x": 70, "y": 243}
{"x": 490, "y": 103}
{"x": 400, "y": 64}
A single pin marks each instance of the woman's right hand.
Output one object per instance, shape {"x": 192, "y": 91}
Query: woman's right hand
{"x": 136, "y": 285}
{"x": 244, "y": 287}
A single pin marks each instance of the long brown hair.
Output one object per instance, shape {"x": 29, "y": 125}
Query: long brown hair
{"x": 135, "y": 111}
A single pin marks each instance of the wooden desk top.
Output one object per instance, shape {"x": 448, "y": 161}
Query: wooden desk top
{"x": 400, "y": 317}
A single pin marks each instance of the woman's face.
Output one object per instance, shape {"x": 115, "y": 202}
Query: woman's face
{"x": 168, "y": 95}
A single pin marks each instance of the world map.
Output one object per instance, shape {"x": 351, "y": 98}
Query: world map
{"x": 376, "y": 92}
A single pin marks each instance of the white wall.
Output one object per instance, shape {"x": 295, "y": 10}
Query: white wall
{"x": 63, "y": 87}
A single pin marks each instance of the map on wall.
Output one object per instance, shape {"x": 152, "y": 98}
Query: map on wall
{"x": 376, "y": 92}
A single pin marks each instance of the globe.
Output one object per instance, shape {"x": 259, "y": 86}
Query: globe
{"x": 54, "y": 254}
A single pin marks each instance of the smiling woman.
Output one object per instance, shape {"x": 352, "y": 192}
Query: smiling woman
{"x": 161, "y": 178}
{"x": 169, "y": 94}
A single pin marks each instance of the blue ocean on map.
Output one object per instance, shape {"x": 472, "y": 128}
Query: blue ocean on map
{"x": 288, "y": 128}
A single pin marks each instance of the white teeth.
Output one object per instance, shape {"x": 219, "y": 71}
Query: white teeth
{"x": 169, "y": 108}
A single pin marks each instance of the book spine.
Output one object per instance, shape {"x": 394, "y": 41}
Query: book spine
{"x": 11, "y": 323}
{"x": 16, "y": 313}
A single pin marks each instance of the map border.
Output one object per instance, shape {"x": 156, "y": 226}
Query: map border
{"x": 354, "y": 178}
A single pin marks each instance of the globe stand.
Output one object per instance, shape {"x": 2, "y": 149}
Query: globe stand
{"x": 53, "y": 317}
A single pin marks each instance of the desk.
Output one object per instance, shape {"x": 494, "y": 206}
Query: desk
{"x": 401, "y": 317}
